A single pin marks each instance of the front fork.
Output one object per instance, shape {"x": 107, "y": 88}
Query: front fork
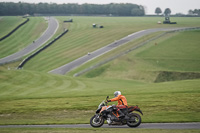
{"x": 98, "y": 117}
{"x": 96, "y": 120}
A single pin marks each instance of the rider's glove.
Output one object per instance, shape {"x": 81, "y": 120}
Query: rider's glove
{"x": 108, "y": 100}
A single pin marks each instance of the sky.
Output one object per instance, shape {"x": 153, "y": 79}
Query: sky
{"x": 176, "y": 6}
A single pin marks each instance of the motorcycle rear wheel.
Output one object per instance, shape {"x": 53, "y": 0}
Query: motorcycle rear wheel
{"x": 96, "y": 122}
{"x": 135, "y": 120}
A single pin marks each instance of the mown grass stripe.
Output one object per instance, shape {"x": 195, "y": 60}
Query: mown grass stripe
{"x": 23, "y": 37}
{"x": 40, "y": 50}
{"x": 8, "y": 23}
{"x": 89, "y": 39}
{"x": 10, "y": 33}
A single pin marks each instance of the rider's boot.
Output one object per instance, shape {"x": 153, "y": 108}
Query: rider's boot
{"x": 121, "y": 114}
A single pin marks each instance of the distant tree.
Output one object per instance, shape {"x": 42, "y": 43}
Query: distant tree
{"x": 167, "y": 12}
{"x": 179, "y": 14}
{"x": 190, "y": 12}
{"x": 21, "y": 8}
{"x": 197, "y": 11}
{"x": 158, "y": 10}
{"x": 138, "y": 11}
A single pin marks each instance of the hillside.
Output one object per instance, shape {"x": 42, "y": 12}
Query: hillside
{"x": 175, "y": 53}
{"x": 24, "y": 36}
{"x": 28, "y": 97}
{"x": 82, "y": 38}
{"x": 8, "y": 23}
{"x": 33, "y": 96}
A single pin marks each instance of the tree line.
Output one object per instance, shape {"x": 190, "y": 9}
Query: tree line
{"x": 194, "y": 12}
{"x": 20, "y": 8}
{"x": 168, "y": 11}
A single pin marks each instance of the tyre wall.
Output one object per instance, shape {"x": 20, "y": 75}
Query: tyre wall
{"x": 40, "y": 50}
{"x": 14, "y": 30}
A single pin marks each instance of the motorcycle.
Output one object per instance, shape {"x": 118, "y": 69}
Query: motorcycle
{"x": 110, "y": 114}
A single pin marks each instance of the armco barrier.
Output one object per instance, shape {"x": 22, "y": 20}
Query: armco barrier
{"x": 40, "y": 50}
{"x": 14, "y": 30}
{"x": 129, "y": 50}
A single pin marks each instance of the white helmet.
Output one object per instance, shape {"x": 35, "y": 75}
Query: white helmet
{"x": 116, "y": 93}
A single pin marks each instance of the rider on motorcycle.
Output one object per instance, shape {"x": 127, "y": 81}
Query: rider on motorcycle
{"x": 122, "y": 102}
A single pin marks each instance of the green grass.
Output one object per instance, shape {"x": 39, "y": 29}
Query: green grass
{"x": 32, "y": 96}
{"x": 52, "y": 99}
{"x": 175, "y": 52}
{"x": 92, "y": 130}
{"x": 178, "y": 53}
{"x": 82, "y": 38}
{"x": 8, "y": 23}
{"x": 23, "y": 36}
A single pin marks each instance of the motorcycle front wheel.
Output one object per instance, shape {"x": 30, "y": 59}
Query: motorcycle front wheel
{"x": 96, "y": 121}
{"x": 134, "y": 120}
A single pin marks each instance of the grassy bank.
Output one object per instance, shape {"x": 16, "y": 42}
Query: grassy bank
{"x": 49, "y": 99}
{"x": 32, "y": 96}
{"x": 82, "y": 38}
{"x": 23, "y": 36}
{"x": 8, "y": 23}
{"x": 177, "y": 53}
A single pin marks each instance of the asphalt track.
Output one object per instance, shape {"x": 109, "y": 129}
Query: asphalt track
{"x": 72, "y": 65}
{"x": 50, "y": 31}
{"x": 194, "y": 125}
